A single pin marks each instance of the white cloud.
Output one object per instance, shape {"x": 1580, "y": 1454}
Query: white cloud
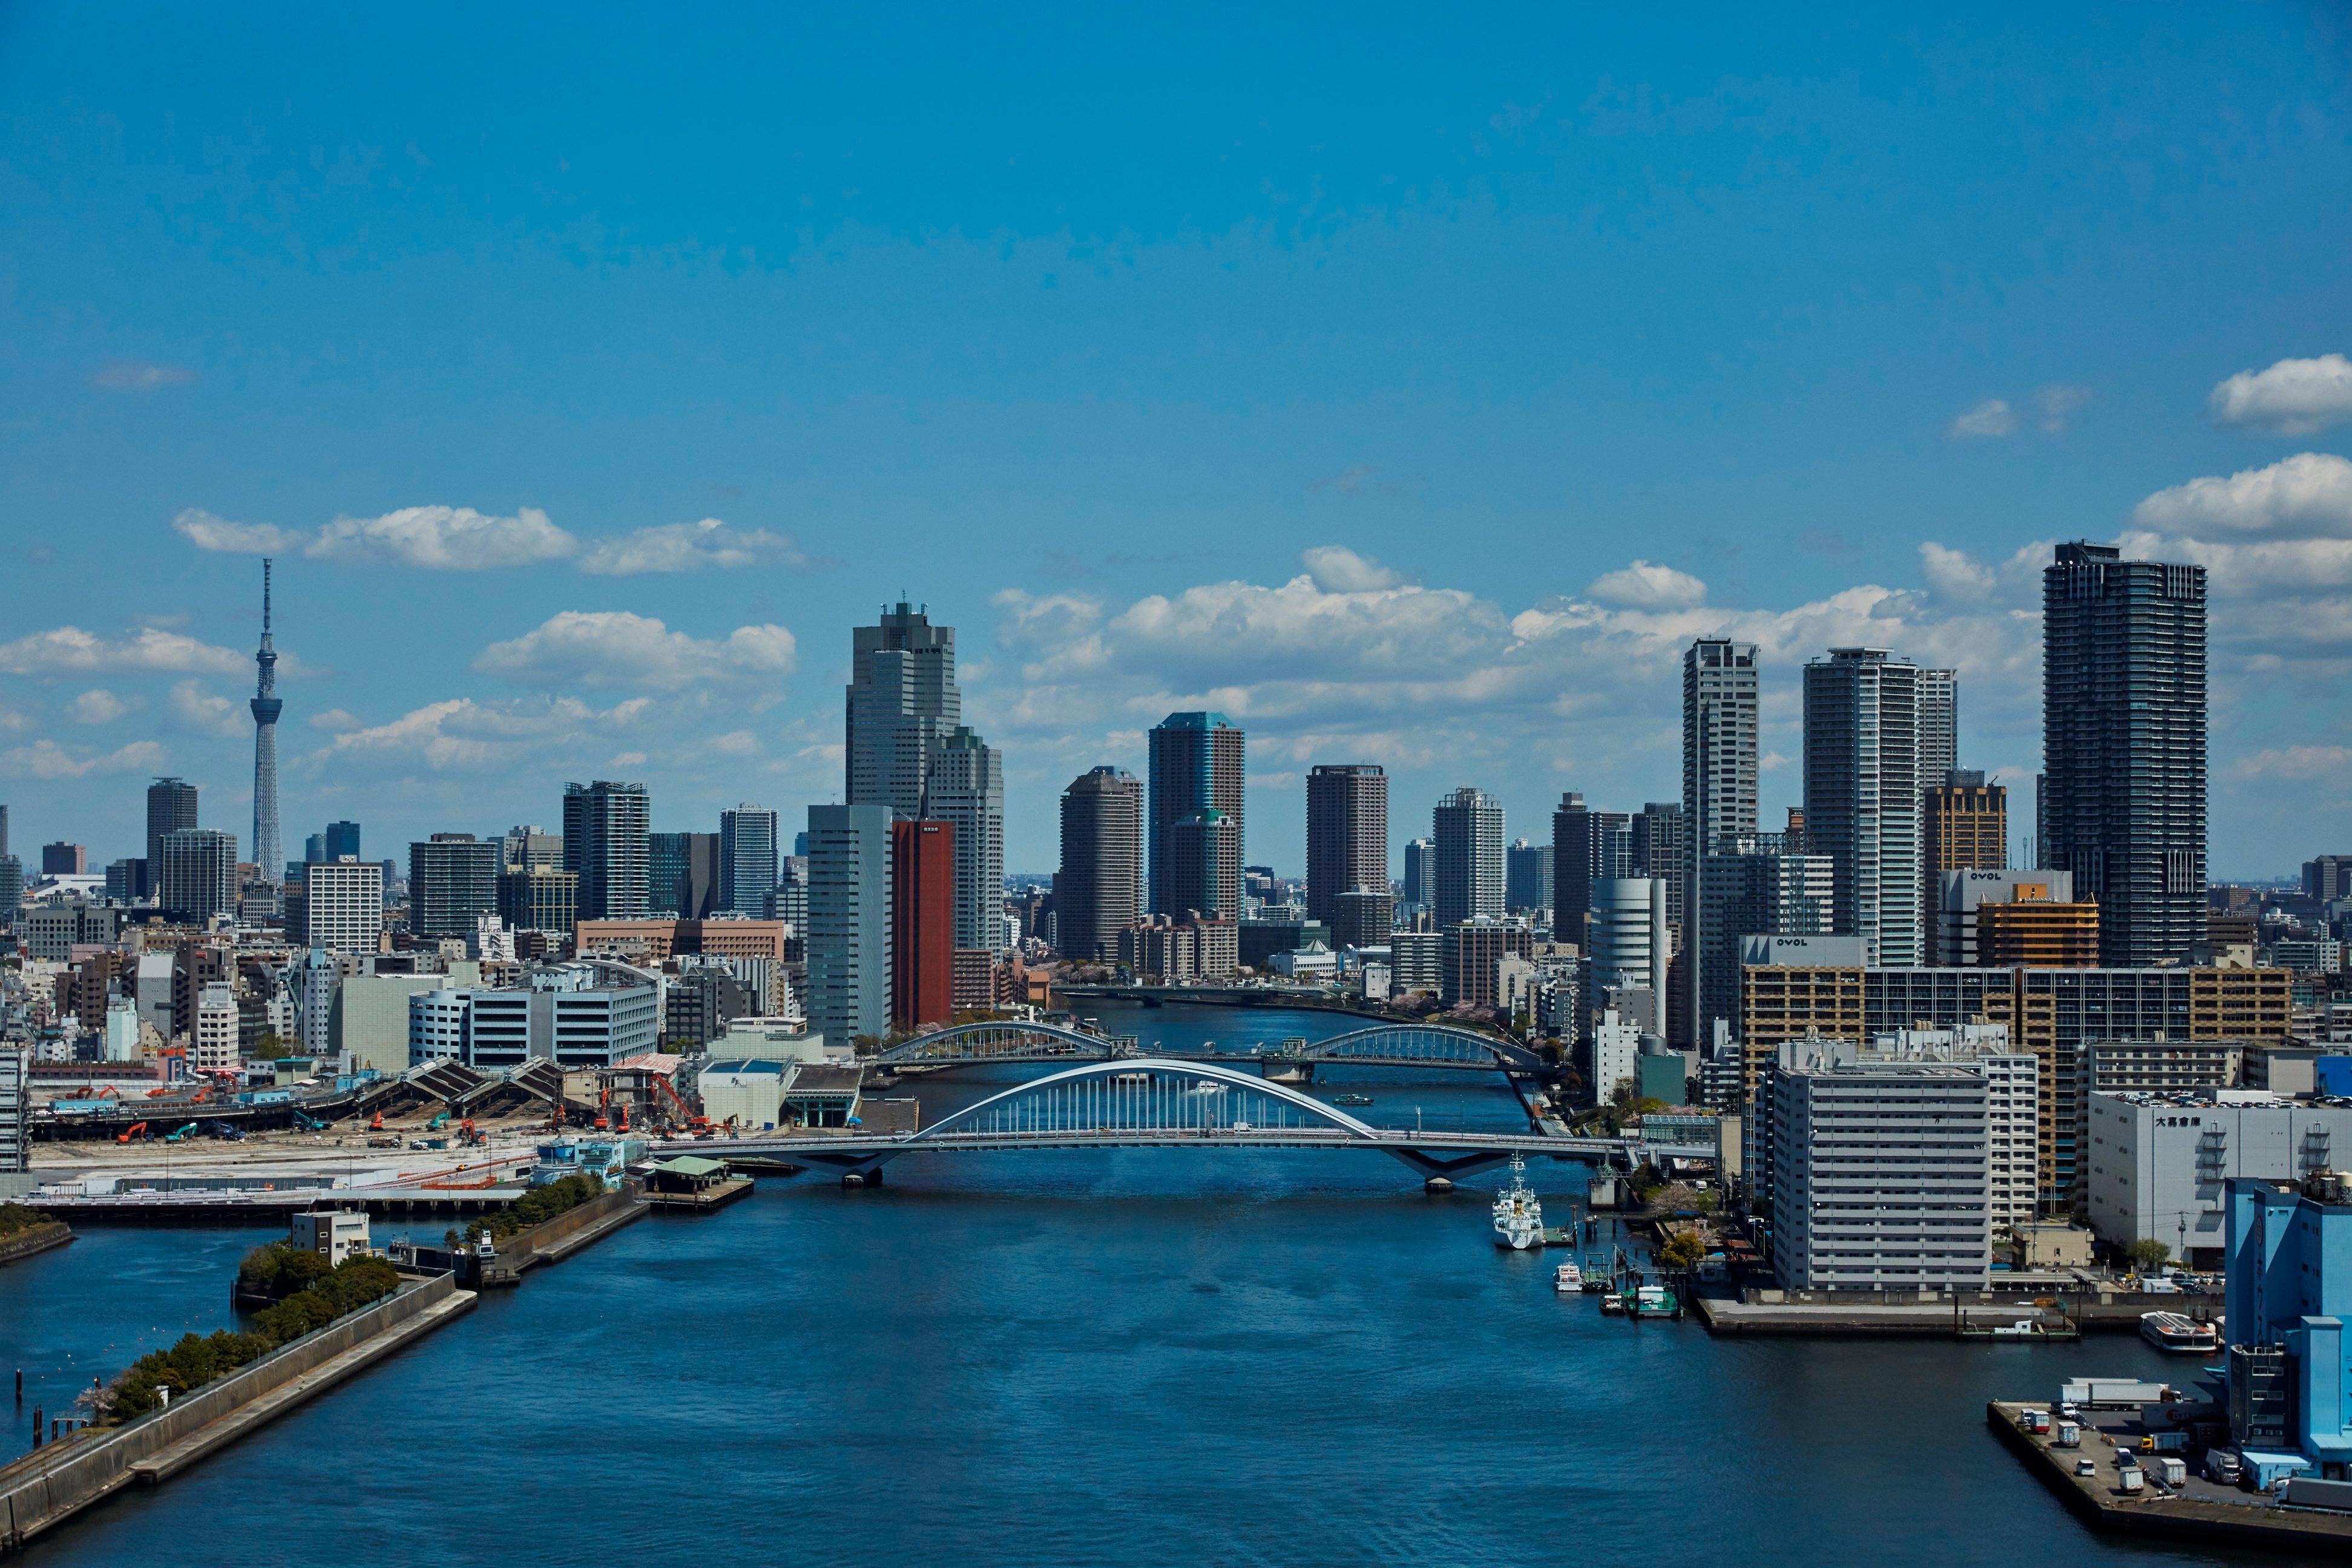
{"x": 1336, "y": 568}
{"x": 46, "y": 759}
{"x": 212, "y": 714}
{"x": 735, "y": 743}
{"x": 1648, "y": 585}
{"x": 334, "y": 719}
{"x": 2058, "y": 403}
{"x": 690, "y": 546}
{"x": 445, "y": 539}
{"x": 1991, "y": 417}
{"x": 2306, "y": 495}
{"x": 70, "y": 650}
{"x": 2296, "y": 762}
{"x": 205, "y": 531}
{"x": 139, "y": 376}
{"x": 627, "y": 759}
{"x": 461, "y": 733}
{"x": 1957, "y": 576}
{"x": 98, "y": 705}
{"x": 2294, "y": 397}
{"x": 609, "y": 648}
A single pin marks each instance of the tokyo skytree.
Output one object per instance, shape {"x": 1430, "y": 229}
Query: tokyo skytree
{"x": 266, "y": 861}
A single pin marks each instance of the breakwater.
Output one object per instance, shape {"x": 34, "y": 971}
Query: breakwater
{"x": 34, "y": 1239}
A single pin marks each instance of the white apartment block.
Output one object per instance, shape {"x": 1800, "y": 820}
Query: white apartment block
{"x": 216, "y": 1046}
{"x": 343, "y": 904}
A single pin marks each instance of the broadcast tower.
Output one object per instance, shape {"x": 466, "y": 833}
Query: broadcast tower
{"x": 266, "y": 861}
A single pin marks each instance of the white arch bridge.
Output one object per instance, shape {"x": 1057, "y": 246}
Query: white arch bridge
{"x": 1382, "y": 1045}
{"x": 1162, "y": 1103}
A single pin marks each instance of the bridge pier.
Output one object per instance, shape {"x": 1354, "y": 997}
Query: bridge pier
{"x": 1438, "y": 1184}
{"x": 1273, "y": 1070}
{"x": 870, "y": 1177}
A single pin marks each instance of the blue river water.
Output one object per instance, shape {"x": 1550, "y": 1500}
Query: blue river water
{"x": 1076, "y": 1358}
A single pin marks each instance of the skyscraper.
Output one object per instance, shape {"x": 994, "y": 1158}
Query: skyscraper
{"x": 1865, "y": 795}
{"x": 2123, "y": 744}
{"x": 1204, "y": 869}
{"x": 1466, "y": 838}
{"x": 604, "y": 840}
{"x": 1347, "y": 834}
{"x": 1939, "y": 724}
{"x": 849, "y": 921}
{"x": 903, "y": 703}
{"x": 747, "y": 860}
{"x": 967, "y": 791}
{"x": 342, "y": 904}
{"x": 1098, "y": 891}
{"x": 1197, "y": 761}
{"x": 1721, "y": 763}
{"x": 197, "y": 875}
{"x": 1586, "y": 846}
{"x": 170, "y": 806}
{"x": 453, "y": 882}
{"x": 1763, "y": 885}
{"x": 922, "y": 923}
{"x": 266, "y": 708}
{"x": 1419, "y": 854}
{"x": 1661, "y": 849}
{"x": 343, "y": 838}
{"x": 682, "y": 874}
{"x": 1964, "y": 827}
{"x": 1527, "y": 876}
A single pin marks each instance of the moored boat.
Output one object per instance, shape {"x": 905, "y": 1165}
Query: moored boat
{"x": 1518, "y": 1217}
{"x": 1612, "y": 1302}
{"x": 1568, "y": 1278}
{"x": 2177, "y": 1334}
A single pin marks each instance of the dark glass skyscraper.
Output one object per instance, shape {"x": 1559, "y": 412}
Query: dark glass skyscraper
{"x": 1098, "y": 891}
{"x": 1347, "y": 834}
{"x": 1196, "y": 767}
{"x": 2122, "y": 745}
{"x": 604, "y": 840}
{"x": 453, "y": 882}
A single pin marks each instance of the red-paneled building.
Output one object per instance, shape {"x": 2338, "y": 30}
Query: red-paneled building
{"x": 922, "y": 923}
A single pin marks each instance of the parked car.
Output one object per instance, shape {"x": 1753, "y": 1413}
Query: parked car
{"x": 2086, "y": 1466}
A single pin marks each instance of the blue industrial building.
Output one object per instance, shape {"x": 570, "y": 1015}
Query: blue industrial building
{"x": 2290, "y": 1291}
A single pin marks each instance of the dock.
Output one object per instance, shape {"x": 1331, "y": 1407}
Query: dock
{"x": 2202, "y": 1511}
{"x": 706, "y": 1200}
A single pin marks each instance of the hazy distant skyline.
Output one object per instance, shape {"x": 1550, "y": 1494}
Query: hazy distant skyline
{"x": 1410, "y": 387}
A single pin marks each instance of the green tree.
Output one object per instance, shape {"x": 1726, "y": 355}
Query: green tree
{"x": 269, "y": 1048}
{"x": 2147, "y": 1255}
{"x": 1683, "y": 1249}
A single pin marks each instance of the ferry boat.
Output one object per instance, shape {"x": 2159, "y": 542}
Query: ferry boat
{"x": 2177, "y": 1334}
{"x": 1519, "y": 1217}
{"x": 1568, "y": 1279}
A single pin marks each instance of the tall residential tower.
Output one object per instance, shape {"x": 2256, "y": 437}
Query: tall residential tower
{"x": 1197, "y": 761}
{"x": 1721, "y": 763}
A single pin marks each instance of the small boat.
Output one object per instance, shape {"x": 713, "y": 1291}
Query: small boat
{"x": 1612, "y": 1302}
{"x": 1656, "y": 1301}
{"x": 1568, "y": 1279}
{"x": 1351, "y": 1099}
{"x": 2177, "y": 1334}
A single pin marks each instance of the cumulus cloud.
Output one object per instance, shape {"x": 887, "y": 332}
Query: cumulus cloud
{"x": 735, "y": 743}
{"x": 691, "y": 547}
{"x": 46, "y": 759}
{"x": 208, "y": 711}
{"x": 2295, "y": 762}
{"x": 593, "y": 648}
{"x": 139, "y": 376}
{"x": 2294, "y": 397}
{"x": 2057, "y": 404}
{"x": 445, "y": 539}
{"x": 70, "y": 650}
{"x": 2308, "y": 496}
{"x": 460, "y": 733}
{"x": 1957, "y": 576}
{"x": 97, "y": 706}
{"x": 1336, "y": 568}
{"x": 1648, "y": 585}
{"x": 333, "y": 719}
{"x": 1991, "y": 417}
{"x": 205, "y": 531}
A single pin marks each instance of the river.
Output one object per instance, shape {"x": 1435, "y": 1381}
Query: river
{"x": 1077, "y": 1358}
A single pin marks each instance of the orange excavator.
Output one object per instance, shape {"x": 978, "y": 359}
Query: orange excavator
{"x": 136, "y": 1129}
{"x": 686, "y": 1118}
{"x": 376, "y": 1125}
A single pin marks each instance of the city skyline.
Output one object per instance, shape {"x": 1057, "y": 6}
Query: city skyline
{"x": 638, "y": 560}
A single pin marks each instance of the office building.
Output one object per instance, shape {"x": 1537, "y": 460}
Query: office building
{"x": 1197, "y": 762}
{"x": 1877, "y": 1170}
{"x": 1466, "y": 858}
{"x": 1864, "y": 794}
{"x": 1763, "y": 885}
{"x": 902, "y": 705}
{"x": 2325, "y": 879}
{"x": 1419, "y": 858}
{"x": 1720, "y": 768}
{"x": 747, "y": 860}
{"x": 453, "y": 882}
{"x": 791, "y": 903}
{"x": 1960, "y": 895}
{"x": 2288, "y": 1262}
{"x": 581, "y": 1016}
{"x": 1586, "y": 846}
{"x": 922, "y": 923}
{"x": 64, "y": 860}
{"x": 342, "y": 905}
{"x": 2156, "y": 1165}
{"x": 265, "y": 706}
{"x": 1347, "y": 834}
{"x": 540, "y": 898}
{"x": 437, "y": 1026}
{"x": 1098, "y": 891}
{"x": 1469, "y": 955}
{"x": 604, "y": 844}
{"x": 198, "y": 880}
{"x": 848, "y": 944}
{"x": 1965, "y": 826}
{"x": 1526, "y": 877}
{"x": 532, "y": 846}
{"x": 1628, "y": 938}
{"x": 52, "y": 930}
{"x": 1201, "y": 873}
{"x": 171, "y": 809}
{"x": 213, "y": 1043}
{"x": 1659, "y": 844}
{"x": 2031, "y": 931}
{"x": 682, "y": 874}
{"x": 1180, "y": 952}
{"x": 1362, "y": 918}
{"x": 966, "y": 791}
{"x": 2121, "y": 801}
{"x": 342, "y": 839}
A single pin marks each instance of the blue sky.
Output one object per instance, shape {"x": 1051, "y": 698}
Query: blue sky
{"x": 1409, "y": 385}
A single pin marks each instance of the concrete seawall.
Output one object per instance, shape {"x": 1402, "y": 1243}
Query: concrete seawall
{"x": 560, "y": 1237}
{"x": 49, "y": 1487}
{"x": 34, "y": 1239}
